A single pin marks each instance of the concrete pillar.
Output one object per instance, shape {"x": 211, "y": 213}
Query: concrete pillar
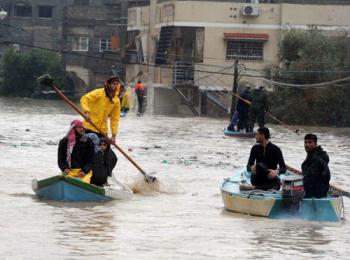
{"x": 151, "y": 69}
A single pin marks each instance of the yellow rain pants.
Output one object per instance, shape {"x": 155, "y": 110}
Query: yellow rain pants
{"x": 75, "y": 174}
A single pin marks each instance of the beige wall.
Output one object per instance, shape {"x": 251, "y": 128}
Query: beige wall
{"x": 220, "y": 17}
{"x": 216, "y": 12}
{"x": 331, "y": 15}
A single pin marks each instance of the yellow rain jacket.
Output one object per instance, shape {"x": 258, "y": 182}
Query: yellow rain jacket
{"x": 100, "y": 106}
{"x": 126, "y": 101}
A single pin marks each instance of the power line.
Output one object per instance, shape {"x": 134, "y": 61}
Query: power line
{"x": 321, "y": 84}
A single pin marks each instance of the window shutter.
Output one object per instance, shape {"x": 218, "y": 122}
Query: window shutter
{"x": 115, "y": 42}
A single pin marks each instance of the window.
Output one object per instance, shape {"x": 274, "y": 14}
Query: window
{"x": 245, "y": 50}
{"x": 45, "y": 11}
{"x": 22, "y": 10}
{"x": 80, "y": 44}
{"x": 105, "y": 45}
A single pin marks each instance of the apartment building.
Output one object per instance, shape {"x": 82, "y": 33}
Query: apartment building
{"x": 178, "y": 42}
{"x": 89, "y": 34}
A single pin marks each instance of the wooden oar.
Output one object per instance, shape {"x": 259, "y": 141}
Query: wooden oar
{"x": 297, "y": 131}
{"x": 334, "y": 188}
{"x": 48, "y": 81}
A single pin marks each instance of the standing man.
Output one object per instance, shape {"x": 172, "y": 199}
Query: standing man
{"x": 100, "y": 103}
{"x": 263, "y": 161}
{"x": 140, "y": 93}
{"x": 243, "y": 110}
{"x": 76, "y": 153}
{"x": 258, "y": 107}
{"x": 315, "y": 169}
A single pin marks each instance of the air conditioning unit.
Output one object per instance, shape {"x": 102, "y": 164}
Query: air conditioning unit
{"x": 250, "y": 10}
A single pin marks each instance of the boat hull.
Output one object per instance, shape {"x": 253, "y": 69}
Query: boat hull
{"x": 229, "y": 133}
{"x": 64, "y": 188}
{"x": 271, "y": 205}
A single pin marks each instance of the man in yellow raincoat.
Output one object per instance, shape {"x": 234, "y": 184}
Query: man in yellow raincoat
{"x": 126, "y": 100}
{"x": 100, "y": 103}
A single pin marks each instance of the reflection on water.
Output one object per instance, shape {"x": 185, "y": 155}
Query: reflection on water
{"x": 183, "y": 218}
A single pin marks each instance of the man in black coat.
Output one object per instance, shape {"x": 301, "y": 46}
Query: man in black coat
{"x": 315, "y": 169}
{"x": 263, "y": 161}
{"x": 105, "y": 161}
{"x": 258, "y": 107}
{"x": 76, "y": 151}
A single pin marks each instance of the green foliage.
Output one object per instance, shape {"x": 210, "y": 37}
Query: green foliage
{"x": 20, "y": 71}
{"x": 309, "y": 57}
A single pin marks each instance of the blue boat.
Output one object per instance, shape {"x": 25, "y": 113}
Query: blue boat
{"x": 65, "y": 188}
{"x": 271, "y": 204}
{"x": 238, "y": 134}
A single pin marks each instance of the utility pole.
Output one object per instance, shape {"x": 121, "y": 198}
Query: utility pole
{"x": 234, "y": 88}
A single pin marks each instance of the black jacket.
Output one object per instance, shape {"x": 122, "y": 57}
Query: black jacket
{"x": 316, "y": 173}
{"x": 271, "y": 156}
{"x": 259, "y": 100}
{"x": 82, "y": 155}
{"x": 242, "y": 106}
{"x": 103, "y": 166}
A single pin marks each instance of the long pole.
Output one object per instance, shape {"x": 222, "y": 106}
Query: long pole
{"x": 46, "y": 80}
{"x": 234, "y": 88}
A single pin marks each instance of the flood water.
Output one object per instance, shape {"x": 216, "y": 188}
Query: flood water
{"x": 185, "y": 220}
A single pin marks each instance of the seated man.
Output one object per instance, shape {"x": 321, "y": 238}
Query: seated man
{"x": 76, "y": 153}
{"x": 263, "y": 160}
{"x": 315, "y": 169}
{"x": 105, "y": 161}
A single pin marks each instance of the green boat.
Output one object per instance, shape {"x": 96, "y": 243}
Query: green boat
{"x": 65, "y": 188}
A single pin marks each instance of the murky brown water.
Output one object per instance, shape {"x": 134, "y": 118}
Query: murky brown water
{"x": 186, "y": 220}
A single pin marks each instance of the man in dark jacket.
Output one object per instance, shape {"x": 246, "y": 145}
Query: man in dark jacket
{"x": 140, "y": 91}
{"x": 76, "y": 152}
{"x": 105, "y": 161}
{"x": 263, "y": 161}
{"x": 258, "y": 107}
{"x": 315, "y": 169}
{"x": 243, "y": 109}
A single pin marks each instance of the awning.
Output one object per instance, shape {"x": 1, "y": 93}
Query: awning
{"x": 246, "y": 36}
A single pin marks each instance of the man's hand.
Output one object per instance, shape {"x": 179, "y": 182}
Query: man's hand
{"x": 272, "y": 174}
{"x": 113, "y": 139}
{"x": 81, "y": 174}
{"x": 253, "y": 169}
{"x": 66, "y": 171}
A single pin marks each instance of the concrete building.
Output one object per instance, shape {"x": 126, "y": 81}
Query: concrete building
{"x": 90, "y": 34}
{"x": 31, "y": 23}
{"x": 176, "y": 44}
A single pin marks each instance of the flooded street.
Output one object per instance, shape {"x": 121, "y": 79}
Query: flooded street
{"x": 185, "y": 220}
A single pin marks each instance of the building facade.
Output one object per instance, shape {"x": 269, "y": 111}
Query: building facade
{"x": 191, "y": 46}
{"x": 31, "y": 23}
{"x": 89, "y": 34}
